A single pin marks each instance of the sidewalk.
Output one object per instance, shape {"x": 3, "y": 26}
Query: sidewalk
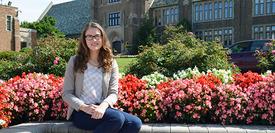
{"x": 67, "y": 127}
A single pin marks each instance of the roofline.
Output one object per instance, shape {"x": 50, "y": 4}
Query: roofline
{"x": 45, "y": 11}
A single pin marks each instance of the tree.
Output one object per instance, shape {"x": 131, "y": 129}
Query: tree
{"x": 45, "y": 27}
{"x": 145, "y": 35}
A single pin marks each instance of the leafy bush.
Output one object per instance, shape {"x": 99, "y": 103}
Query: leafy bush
{"x": 12, "y": 61}
{"x": 6, "y": 68}
{"x": 35, "y": 97}
{"x": 267, "y": 58}
{"x": 181, "y": 52}
{"x": 48, "y": 50}
{"x": 42, "y": 59}
{"x": 14, "y": 56}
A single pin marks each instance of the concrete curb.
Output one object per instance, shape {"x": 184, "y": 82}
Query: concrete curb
{"x": 67, "y": 127}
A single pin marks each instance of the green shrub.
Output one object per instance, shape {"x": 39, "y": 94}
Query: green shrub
{"x": 50, "y": 49}
{"x": 6, "y": 67}
{"x": 10, "y": 61}
{"x": 182, "y": 51}
{"x": 40, "y": 59}
{"x": 21, "y": 57}
{"x": 267, "y": 59}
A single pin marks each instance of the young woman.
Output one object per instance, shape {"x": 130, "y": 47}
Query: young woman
{"x": 91, "y": 86}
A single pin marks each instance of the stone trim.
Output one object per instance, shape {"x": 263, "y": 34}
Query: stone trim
{"x": 67, "y": 127}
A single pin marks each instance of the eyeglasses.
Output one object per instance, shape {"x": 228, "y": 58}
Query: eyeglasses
{"x": 91, "y": 37}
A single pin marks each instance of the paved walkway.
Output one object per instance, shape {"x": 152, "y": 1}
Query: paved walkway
{"x": 67, "y": 127}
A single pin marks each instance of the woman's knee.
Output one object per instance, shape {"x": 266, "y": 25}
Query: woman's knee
{"x": 137, "y": 123}
{"x": 115, "y": 116}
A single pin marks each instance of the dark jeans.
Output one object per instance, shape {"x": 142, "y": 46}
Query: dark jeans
{"x": 113, "y": 121}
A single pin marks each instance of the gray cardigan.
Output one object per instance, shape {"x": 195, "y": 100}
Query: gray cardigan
{"x": 73, "y": 85}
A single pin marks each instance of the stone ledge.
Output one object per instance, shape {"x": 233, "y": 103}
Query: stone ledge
{"x": 67, "y": 127}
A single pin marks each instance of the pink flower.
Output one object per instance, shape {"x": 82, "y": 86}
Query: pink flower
{"x": 269, "y": 44}
{"x": 55, "y": 62}
{"x": 178, "y": 114}
{"x": 190, "y": 33}
{"x": 177, "y": 107}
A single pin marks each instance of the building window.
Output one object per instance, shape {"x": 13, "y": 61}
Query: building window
{"x": 157, "y": 17}
{"x": 264, "y": 32}
{"x": 210, "y": 10}
{"x": 208, "y": 35}
{"x": 199, "y": 34}
{"x": 114, "y": 19}
{"x": 261, "y": 32}
{"x": 228, "y": 9}
{"x": 23, "y": 45}
{"x": 216, "y": 9}
{"x": 196, "y": 12}
{"x": 200, "y": 12}
{"x": 264, "y": 7}
{"x": 227, "y": 37}
{"x": 171, "y": 15}
{"x": 213, "y": 10}
{"x": 206, "y": 11}
{"x": 224, "y": 35}
{"x": 220, "y": 10}
{"x": 268, "y": 6}
{"x": 114, "y": 1}
{"x": 268, "y": 32}
{"x": 273, "y": 32}
{"x": 256, "y": 32}
{"x": 9, "y": 23}
{"x": 218, "y": 35}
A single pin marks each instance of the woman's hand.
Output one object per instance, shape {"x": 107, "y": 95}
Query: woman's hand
{"x": 89, "y": 109}
{"x": 99, "y": 110}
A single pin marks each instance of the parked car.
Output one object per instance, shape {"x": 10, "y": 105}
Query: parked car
{"x": 243, "y": 54}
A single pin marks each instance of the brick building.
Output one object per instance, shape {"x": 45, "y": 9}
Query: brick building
{"x": 9, "y": 28}
{"x": 27, "y": 38}
{"x": 228, "y": 21}
{"x": 121, "y": 19}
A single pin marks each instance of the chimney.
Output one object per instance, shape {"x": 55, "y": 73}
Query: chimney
{"x": 9, "y": 3}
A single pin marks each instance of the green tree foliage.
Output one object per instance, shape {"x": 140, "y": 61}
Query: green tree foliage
{"x": 181, "y": 51}
{"x": 145, "y": 35}
{"x": 45, "y": 27}
{"x": 148, "y": 34}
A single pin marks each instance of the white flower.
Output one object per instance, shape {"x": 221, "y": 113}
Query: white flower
{"x": 2, "y": 122}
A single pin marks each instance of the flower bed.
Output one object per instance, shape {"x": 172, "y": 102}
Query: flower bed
{"x": 247, "y": 98}
{"x": 35, "y": 97}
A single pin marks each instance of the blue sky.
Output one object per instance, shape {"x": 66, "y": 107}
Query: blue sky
{"x": 30, "y": 10}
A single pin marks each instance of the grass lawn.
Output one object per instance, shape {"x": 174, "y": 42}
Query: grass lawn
{"x": 123, "y": 62}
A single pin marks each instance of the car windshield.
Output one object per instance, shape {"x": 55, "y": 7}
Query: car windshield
{"x": 250, "y": 46}
{"x": 241, "y": 47}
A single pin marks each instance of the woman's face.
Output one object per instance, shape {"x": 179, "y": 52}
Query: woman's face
{"x": 93, "y": 39}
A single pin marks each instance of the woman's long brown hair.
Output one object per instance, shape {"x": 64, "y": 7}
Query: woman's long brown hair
{"x": 83, "y": 53}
